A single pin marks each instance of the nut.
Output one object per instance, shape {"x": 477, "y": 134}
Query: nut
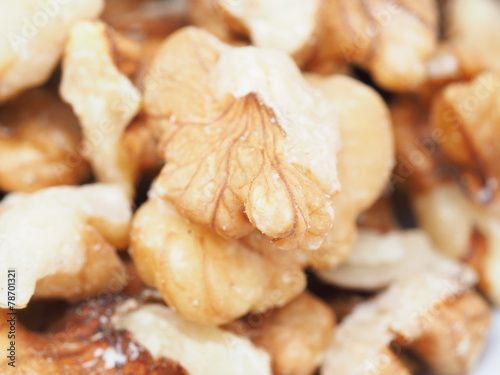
{"x": 392, "y": 40}
{"x": 247, "y": 142}
{"x": 467, "y": 126}
{"x": 39, "y": 143}
{"x": 103, "y": 98}
{"x": 456, "y": 224}
{"x": 364, "y": 162}
{"x": 32, "y": 39}
{"x": 414, "y": 312}
{"x": 206, "y": 278}
{"x": 51, "y": 236}
{"x": 295, "y": 335}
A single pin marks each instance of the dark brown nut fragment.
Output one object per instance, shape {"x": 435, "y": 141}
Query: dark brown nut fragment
{"x": 39, "y": 143}
{"x": 246, "y": 141}
{"x": 465, "y": 120}
{"x": 390, "y": 39}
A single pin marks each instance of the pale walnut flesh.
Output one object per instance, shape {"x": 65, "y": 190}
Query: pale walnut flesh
{"x": 207, "y": 278}
{"x": 200, "y": 349}
{"x": 466, "y": 120}
{"x": 32, "y": 39}
{"x": 288, "y": 26}
{"x": 413, "y": 313}
{"x": 103, "y": 98}
{"x": 392, "y": 40}
{"x": 246, "y": 141}
{"x": 39, "y": 143}
{"x": 454, "y": 223}
{"x": 51, "y": 236}
{"x": 364, "y": 162}
{"x": 295, "y": 335}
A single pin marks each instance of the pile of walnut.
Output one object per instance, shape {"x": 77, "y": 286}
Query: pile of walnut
{"x": 206, "y": 187}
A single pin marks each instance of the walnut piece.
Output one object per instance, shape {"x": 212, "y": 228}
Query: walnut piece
{"x": 466, "y": 122}
{"x": 295, "y": 335}
{"x": 432, "y": 313}
{"x": 102, "y": 96}
{"x": 377, "y": 260}
{"x": 452, "y": 220}
{"x": 32, "y": 39}
{"x": 247, "y": 142}
{"x": 392, "y": 40}
{"x": 39, "y": 143}
{"x": 51, "y": 237}
{"x": 206, "y": 278}
{"x": 364, "y": 162}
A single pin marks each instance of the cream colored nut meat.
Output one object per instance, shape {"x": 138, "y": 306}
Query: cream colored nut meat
{"x": 247, "y": 142}
{"x": 61, "y": 241}
{"x": 39, "y": 143}
{"x": 206, "y": 278}
{"x": 430, "y": 312}
{"x": 32, "y": 39}
{"x": 464, "y": 230}
{"x": 295, "y": 335}
{"x": 466, "y": 122}
{"x": 103, "y": 97}
{"x": 364, "y": 162}
{"x": 377, "y": 259}
{"x": 392, "y": 40}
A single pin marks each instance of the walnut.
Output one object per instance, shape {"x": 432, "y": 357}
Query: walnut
{"x": 472, "y": 34}
{"x": 377, "y": 260}
{"x": 247, "y": 142}
{"x": 295, "y": 335}
{"x": 466, "y": 124}
{"x": 432, "y": 313}
{"x": 32, "y": 39}
{"x": 206, "y": 278}
{"x": 364, "y": 162}
{"x": 62, "y": 240}
{"x": 39, "y": 143}
{"x": 465, "y": 230}
{"x": 392, "y": 40}
{"x": 96, "y": 85}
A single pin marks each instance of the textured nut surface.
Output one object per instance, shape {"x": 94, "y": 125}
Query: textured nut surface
{"x": 451, "y": 219}
{"x": 200, "y": 349}
{"x": 103, "y": 98}
{"x": 392, "y": 40}
{"x": 32, "y": 39}
{"x": 467, "y": 117}
{"x": 364, "y": 162}
{"x": 39, "y": 143}
{"x": 247, "y": 142}
{"x": 206, "y": 278}
{"x": 51, "y": 236}
{"x": 295, "y": 335}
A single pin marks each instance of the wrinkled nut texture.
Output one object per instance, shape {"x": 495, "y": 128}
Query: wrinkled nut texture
{"x": 295, "y": 335}
{"x": 200, "y": 349}
{"x": 85, "y": 341}
{"x": 247, "y": 142}
{"x": 392, "y": 40}
{"x": 466, "y": 117}
{"x": 103, "y": 98}
{"x": 32, "y": 39}
{"x": 39, "y": 143}
{"x": 288, "y": 26}
{"x": 472, "y": 34}
{"x": 51, "y": 236}
{"x": 414, "y": 312}
{"x": 451, "y": 219}
{"x": 207, "y": 278}
{"x": 377, "y": 260}
{"x": 364, "y": 162}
